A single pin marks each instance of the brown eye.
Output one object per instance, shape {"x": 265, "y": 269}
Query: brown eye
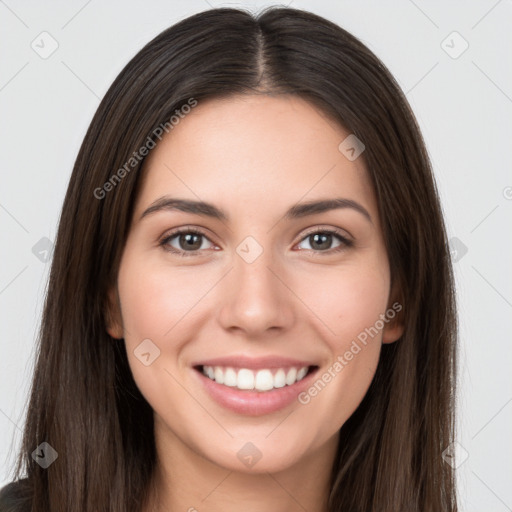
{"x": 189, "y": 241}
{"x": 185, "y": 242}
{"x": 323, "y": 240}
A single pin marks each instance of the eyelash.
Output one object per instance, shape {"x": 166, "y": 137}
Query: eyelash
{"x": 345, "y": 242}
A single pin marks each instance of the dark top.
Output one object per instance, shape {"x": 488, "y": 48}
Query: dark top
{"x": 14, "y": 497}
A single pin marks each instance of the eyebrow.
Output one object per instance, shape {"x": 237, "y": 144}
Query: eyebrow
{"x": 299, "y": 210}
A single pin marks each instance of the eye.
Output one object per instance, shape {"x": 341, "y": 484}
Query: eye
{"x": 185, "y": 242}
{"x": 321, "y": 240}
{"x": 189, "y": 241}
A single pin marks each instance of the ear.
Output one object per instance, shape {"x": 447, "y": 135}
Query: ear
{"x": 395, "y": 321}
{"x": 113, "y": 319}
{"x": 392, "y": 331}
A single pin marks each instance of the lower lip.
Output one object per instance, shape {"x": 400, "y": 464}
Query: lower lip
{"x": 254, "y": 403}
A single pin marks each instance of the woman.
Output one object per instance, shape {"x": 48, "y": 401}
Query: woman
{"x": 251, "y": 300}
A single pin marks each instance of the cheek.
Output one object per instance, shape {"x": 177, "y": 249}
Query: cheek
{"x": 157, "y": 305}
{"x": 345, "y": 301}
{"x": 350, "y": 307}
{"x": 156, "y": 301}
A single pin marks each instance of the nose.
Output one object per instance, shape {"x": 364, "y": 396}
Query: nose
{"x": 255, "y": 299}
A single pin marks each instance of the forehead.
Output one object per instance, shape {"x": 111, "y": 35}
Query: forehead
{"x": 254, "y": 152}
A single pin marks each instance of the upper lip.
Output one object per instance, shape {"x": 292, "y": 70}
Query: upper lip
{"x": 254, "y": 363}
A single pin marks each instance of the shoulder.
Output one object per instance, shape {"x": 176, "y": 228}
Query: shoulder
{"x": 13, "y": 497}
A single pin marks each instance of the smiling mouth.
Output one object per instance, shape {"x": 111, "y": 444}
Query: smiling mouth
{"x": 263, "y": 380}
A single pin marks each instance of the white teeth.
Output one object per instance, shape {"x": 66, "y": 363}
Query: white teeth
{"x": 230, "y": 377}
{"x": 302, "y": 373}
{"x": 291, "y": 376}
{"x": 219, "y": 375}
{"x": 245, "y": 379}
{"x": 261, "y": 380}
{"x": 264, "y": 380}
{"x": 280, "y": 379}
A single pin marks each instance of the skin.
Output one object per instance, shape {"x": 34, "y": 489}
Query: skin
{"x": 253, "y": 156}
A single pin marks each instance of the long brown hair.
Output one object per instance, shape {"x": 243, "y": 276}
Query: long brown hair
{"x": 84, "y": 401}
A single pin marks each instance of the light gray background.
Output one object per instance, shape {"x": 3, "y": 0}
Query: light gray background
{"x": 463, "y": 105}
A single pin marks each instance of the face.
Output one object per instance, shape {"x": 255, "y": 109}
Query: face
{"x": 256, "y": 330}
